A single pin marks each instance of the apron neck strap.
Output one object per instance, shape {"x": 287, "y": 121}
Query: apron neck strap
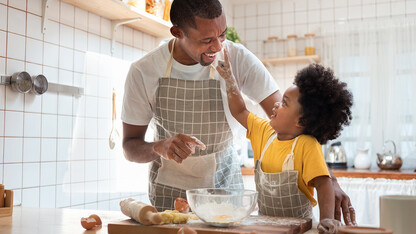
{"x": 169, "y": 66}
{"x": 170, "y": 63}
{"x": 269, "y": 141}
{"x": 288, "y": 164}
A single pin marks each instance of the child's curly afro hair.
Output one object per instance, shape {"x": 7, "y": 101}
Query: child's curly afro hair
{"x": 325, "y": 102}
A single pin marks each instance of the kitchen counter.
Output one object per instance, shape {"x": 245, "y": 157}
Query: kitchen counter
{"x": 357, "y": 173}
{"x": 375, "y": 173}
{"x": 45, "y": 220}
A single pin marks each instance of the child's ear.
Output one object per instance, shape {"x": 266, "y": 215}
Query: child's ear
{"x": 299, "y": 124}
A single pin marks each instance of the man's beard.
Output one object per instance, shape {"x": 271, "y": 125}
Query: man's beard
{"x": 204, "y": 63}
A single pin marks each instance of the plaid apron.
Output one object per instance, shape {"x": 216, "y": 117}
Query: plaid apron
{"x": 278, "y": 193}
{"x": 193, "y": 107}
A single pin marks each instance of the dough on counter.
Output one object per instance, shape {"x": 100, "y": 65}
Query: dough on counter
{"x": 175, "y": 217}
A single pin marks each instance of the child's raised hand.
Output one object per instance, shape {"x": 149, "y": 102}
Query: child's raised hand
{"x": 224, "y": 67}
{"x": 328, "y": 226}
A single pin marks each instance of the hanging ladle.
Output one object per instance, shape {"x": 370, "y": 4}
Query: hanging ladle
{"x": 114, "y": 135}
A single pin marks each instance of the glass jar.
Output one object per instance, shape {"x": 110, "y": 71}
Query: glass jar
{"x": 309, "y": 44}
{"x": 159, "y": 9}
{"x": 166, "y": 12}
{"x": 270, "y": 47}
{"x": 291, "y": 45}
{"x": 150, "y": 7}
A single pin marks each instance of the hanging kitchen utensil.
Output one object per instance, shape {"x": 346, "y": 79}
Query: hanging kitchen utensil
{"x": 19, "y": 81}
{"x": 114, "y": 135}
{"x": 40, "y": 84}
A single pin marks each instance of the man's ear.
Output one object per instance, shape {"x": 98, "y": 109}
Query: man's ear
{"x": 176, "y": 32}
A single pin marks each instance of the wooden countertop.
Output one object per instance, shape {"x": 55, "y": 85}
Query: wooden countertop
{"x": 356, "y": 173}
{"x": 65, "y": 221}
{"x": 45, "y": 220}
{"x": 376, "y": 173}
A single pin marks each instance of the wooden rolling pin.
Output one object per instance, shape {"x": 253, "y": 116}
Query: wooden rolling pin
{"x": 141, "y": 212}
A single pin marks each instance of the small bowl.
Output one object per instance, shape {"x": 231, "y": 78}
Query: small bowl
{"x": 221, "y": 207}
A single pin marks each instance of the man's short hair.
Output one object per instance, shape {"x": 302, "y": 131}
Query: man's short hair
{"x": 183, "y": 12}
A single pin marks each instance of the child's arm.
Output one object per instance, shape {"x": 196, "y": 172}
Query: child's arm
{"x": 235, "y": 100}
{"x": 326, "y": 201}
{"x": 326, "y": 197}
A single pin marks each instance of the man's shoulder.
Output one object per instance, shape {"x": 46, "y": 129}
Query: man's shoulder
{"x": 235, "y": 47}
{"x": 153, "y": 57}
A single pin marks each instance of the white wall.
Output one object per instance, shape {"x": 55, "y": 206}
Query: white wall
{"x": 257, "y": 20}
{"x": 54, "y": 149}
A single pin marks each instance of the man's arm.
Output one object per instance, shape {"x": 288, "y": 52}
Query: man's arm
{"x": 136, "y": 149}
{"x": 268, "y": 103}
{"x": 134, "y": 146}
{"x": 342, "y": 202}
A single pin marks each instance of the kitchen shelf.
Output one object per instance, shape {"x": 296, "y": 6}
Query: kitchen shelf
{"x": 117, "y": 10}
{"x": 295, "y": 59}
{"x": 356, "y": 173}
{"x": 375, "y": 173}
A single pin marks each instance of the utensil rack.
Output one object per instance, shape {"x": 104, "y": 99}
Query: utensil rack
{"x": 52, "y": 87}
{"x": 7, "y": 210}
{"x": 60, "y": 88}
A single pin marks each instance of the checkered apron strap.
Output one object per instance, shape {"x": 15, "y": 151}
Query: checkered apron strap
{"x": 288, "y": 164}
{"x": 279, "y": 194}
{"x": 193, "y": 107}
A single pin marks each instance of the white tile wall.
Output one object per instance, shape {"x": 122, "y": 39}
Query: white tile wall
{"x": 3, "y": 17}
{"x": 54, "y": 147}
{"x": 66, "y": 146}
{"x": 306, "y": 16}
{"x": 31, "y": 150}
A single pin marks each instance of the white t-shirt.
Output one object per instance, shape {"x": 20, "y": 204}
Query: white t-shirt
{"x": 143, "y": 77}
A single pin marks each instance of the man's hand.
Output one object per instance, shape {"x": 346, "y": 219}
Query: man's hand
{"x": 342, "y": 202}
{"x": 178, "y": 147}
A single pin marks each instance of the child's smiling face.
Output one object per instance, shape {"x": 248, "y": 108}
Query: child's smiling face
{"x": 286, "y": 114}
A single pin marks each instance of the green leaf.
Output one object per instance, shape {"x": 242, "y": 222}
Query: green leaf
{"x": 232, "y": 35}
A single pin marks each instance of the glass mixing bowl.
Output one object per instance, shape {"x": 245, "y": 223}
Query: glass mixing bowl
{"x": 221, "y": 207}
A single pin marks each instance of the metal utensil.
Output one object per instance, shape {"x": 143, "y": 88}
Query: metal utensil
{"x": 336, "y": 157}
{"x": 19, "y": 81}
{"x": 389, "y": 160}
{"x": 40, "y": 84}
{"x": 114, "y": 135}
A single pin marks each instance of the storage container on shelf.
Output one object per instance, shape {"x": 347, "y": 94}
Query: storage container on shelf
{"x": 270, "y": 47}
{"x": 159, "y": 8}
{"x": 309, "y": 44}
{"x": 291, "y": 46}
{"x": 166, "y": 13}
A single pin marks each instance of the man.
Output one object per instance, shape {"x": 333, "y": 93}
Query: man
{"x": 177, "y": 86}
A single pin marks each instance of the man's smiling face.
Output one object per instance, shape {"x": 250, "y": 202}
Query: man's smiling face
{"x": 201, "y": 44}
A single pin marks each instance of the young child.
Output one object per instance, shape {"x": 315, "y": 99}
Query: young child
{"x": 287, "y": 150}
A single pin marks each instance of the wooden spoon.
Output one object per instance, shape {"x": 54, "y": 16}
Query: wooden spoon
{"x": 114, "y": 135}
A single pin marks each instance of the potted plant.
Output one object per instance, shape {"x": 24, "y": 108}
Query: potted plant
{"x": 232, "y": 35}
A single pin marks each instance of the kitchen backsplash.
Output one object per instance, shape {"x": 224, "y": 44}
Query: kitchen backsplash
{"x": 55, "y": 147}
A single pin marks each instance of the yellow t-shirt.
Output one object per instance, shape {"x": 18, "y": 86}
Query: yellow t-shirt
{"x": 309, "y": 160}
